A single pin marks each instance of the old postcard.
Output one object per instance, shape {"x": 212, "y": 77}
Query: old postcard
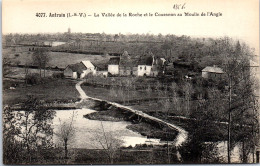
{"x": 130, "y": 82}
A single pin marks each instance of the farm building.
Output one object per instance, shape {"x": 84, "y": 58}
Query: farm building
{"x": 113, "y": 65}
{"x": 158, "y": 66}
{"x": 79, "y": 70}
{"x": 90, "y": 67}
{"x": 144, "y": 66}
{"x": 127, "y": 67}
{"x": 147, "y": 65}
{"x": 75, "y": 71}
{"x": 212, "y": 72}
{"x": 155, "y": 71}
{"x": 101, "y": 69}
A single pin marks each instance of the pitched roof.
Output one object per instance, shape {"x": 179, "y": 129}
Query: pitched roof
{"x": 78, "y": 67}
{"x": 101, "y": 66}
{"x": 212, "y": 69}
{"x": 114, "y": 61}
{"x": 163, "y": 60}
{"x": 146, "y": 61}
{"x": 88, "y": 64}
{"x": 128, "y": 62}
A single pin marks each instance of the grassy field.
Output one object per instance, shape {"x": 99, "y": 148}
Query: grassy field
{"x": 114, "y": 94}
{"x": 59, "y": 59}
{"x": 18, "y": 72}
{"x": 51, "y": 90}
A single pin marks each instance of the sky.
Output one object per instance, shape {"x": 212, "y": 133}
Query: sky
{"x": 240, "y": 18}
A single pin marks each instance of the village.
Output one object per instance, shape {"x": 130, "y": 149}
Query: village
{"x": 170, "y": 94}
{"x": 147, "y": 66}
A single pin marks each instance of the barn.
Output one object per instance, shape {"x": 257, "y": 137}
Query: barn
{"x": 75, "y": 71}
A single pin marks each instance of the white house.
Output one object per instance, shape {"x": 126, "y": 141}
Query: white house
{"x": 113, "y": 65}
{"x": 144, "y": 70}
{"x": 90, "y": 67}
{"x": 144, "y": 66}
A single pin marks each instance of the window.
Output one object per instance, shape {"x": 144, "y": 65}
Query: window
{"x": 145, "y": 68}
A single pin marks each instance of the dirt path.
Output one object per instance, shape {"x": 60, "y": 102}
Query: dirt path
{"x": 182, "y": 134}
{"x": 80, "y": 90}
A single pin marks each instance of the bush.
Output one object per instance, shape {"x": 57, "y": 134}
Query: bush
{"x": 58, "y": 75}
{"x": 110, "y": 75}
{"x": 89, "y": 76}
{"x": 33, "y": 79}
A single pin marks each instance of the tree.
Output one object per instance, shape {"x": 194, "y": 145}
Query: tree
{"x": 108, "y": 142}
{"x": 166, "y": 104}
{"x": 78, "y": 42}
{"x": 36, "y": 125}
{"x": 238, "y": 48}
{"x": 128, "y": 84}
{"x": 41, "y": 58}
{"x": 176, "y": 103}
{"x": 116, "y": 37}
{"x": 6, "y": 67}
{"x": 11, "y": 146}
{"x": 188, "y": 91}
{"x": 241, "y": 98}
{"x": 26, "y": 71}
{"x": 27, "y": 131}
{"x": 166, "y": 46}
{"x": 66, "y": 132}
{"x": 204, "y": 131}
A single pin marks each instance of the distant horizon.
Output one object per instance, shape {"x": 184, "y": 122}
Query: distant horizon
{"x": 235, "y": 38}
{"x": 238, "y": 20}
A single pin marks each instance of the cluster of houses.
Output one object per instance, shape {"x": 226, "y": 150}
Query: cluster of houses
{"x": 125, "y": 65}
{"x": 118, "y": 66}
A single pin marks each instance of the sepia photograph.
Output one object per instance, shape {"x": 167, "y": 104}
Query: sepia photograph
{"x": 130, "y": 82}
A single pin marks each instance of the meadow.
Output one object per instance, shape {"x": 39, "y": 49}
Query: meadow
{"x": 22, "y": 56}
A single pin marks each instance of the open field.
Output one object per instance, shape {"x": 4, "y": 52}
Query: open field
{"x": 59, "y": 59}
{"x": 51, "y": 90}
{"x": 18, "y": 72}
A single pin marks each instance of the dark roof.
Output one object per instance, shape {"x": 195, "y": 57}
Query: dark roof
{"x": 182, "y": 63}
{"x": 146, "y": 61}
{"x": 78, "y": 67}
{"x": 101, "y": 66}
{"x": 128, "y": 63}
{"x": 114, "y": 61}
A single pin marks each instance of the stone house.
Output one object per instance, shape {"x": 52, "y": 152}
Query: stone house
{"x": 212, "y": 72}
{"x": 79, "y": 70}
{"x": 145, "y": 66}
{"x": 101, "y": 69}
{"x": 113, "y": 66}
{"x": 75, "y": 71}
